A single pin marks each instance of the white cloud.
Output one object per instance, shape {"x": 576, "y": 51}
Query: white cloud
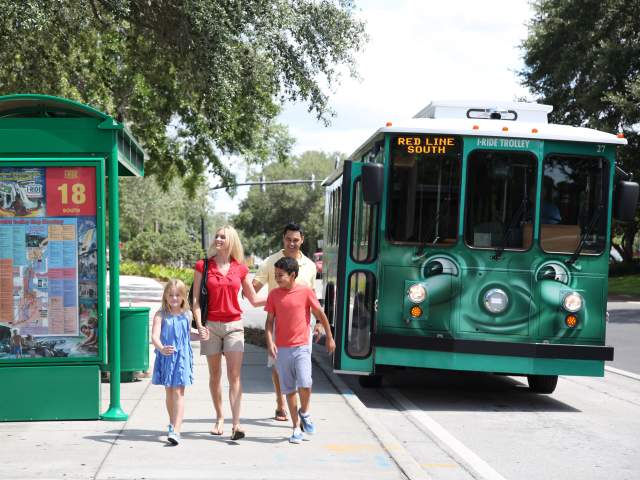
{"x": 420, "y": 51}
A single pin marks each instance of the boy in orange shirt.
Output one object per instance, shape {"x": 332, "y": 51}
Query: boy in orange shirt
{"x": 292, "y": 304}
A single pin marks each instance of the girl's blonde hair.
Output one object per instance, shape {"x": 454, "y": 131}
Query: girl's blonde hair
{"x": 182, "y": 291}
{"x": 235, "y": 246}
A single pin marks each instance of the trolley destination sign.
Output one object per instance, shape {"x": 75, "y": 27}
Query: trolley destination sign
{"x": 427, "y": 144}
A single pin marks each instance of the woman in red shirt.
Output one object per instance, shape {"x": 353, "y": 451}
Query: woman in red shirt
{"x": 224, "y": 332}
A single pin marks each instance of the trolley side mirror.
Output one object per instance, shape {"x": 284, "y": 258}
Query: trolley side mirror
{"x": 372, "y": 182}
{"x": 625, "y": 201}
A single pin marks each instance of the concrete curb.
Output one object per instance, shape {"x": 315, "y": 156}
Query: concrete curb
{"x": 406, "y": 463}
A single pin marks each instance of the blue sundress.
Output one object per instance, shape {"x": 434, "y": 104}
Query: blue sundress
{"x": 174, "y": 370}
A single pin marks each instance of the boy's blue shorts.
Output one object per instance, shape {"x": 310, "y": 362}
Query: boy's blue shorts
{"x": 294, "y": 368}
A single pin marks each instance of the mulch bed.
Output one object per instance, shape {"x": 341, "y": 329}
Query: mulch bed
{"x": 254, "y": 336}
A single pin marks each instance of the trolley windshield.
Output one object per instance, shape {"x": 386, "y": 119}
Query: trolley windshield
{"x": 425, "y": 189}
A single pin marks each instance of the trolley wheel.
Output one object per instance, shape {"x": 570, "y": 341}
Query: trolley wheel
{"x": 542, "y": 383}
{"x": 370, "y": 381}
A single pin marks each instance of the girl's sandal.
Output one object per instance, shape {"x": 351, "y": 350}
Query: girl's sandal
{"x": 218, "y": 427}
{"x": 237, "y": 434}
{"x": 281, "y": 415}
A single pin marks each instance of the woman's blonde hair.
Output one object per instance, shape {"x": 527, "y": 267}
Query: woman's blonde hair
{"x": 235, "y": 246}
{"x": 182, "y": 291}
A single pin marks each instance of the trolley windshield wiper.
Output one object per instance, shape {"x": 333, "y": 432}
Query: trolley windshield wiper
{"x": 521, "y": 210}
{"x": 587, "y": 232}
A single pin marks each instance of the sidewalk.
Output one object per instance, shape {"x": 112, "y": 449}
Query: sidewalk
{"x": 344, "y": 447}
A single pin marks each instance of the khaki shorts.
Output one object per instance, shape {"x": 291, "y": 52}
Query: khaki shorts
{"x": 223, "y": 337}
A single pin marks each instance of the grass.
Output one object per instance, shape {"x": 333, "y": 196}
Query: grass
{"x": 626, "y": 285}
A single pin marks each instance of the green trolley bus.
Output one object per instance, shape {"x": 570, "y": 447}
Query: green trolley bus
{"x": 474, "y": 238}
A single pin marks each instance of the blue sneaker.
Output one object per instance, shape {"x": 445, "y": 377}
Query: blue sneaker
{"x": 296, "y": 436}
{"x": 306, "y": 424}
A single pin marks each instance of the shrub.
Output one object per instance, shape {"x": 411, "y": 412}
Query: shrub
{"x": 166, "y": 248}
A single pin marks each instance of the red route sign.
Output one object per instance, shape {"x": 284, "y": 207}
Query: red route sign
{"x": 71, "y": 191}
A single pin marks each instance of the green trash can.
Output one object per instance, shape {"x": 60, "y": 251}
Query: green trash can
{"x": 134, "y": 341}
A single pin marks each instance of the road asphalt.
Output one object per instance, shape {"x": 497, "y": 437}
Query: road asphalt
{"x": 348, "y": 443}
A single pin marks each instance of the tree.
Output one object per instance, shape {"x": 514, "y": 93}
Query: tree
{"x": 583, "y": 57}
{"x": 193, "y": 80}
{"x": 263, "y": 214}
{"x": 164, "y": 226}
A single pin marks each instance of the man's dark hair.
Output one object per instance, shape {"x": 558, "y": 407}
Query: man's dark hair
{"x": 292, "y": 227}
{"x": 288, "y": 264}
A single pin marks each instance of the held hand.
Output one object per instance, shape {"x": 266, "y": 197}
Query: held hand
{"x": 273, "y": 350}
{"x": 331, "y": 345}
{"x": 167, "y": 350}
{"x": 204, "y": 333}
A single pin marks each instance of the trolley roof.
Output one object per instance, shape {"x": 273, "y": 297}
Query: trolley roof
{"x": 492, "y": 119}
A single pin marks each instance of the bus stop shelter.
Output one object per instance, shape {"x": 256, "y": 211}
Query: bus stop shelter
{"x": 59, "y": 164}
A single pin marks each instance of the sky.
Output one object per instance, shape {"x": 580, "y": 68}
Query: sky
{"x": 418, "y": 51}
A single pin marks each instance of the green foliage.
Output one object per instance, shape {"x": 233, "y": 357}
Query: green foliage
{"x": 134, "y": 268}
{"x": 263, "y": 214}
{"x": 164, "y": 273}
{"x": 160, "y": 272}
{"x": 193, "y": 80}
{"x": 584, "y": 59}
{"x": 172, "y": 247}
{"x": 145, "y": 206}
{"x": 625, "y": 285}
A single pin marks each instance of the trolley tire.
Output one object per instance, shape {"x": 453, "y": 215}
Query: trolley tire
{"x": 370, "y": 381}
{"x": 542, "y": 383}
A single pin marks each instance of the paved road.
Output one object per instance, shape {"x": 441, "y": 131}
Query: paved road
{"x": 623, "y": 332}
{"x": 459, "y": 425}
{"x": 588, "y": 429}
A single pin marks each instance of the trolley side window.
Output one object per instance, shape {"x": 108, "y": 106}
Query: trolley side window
{"x": 501, "y": 193}
{"x": 362, "y": 287}
{"x": 573, "y": 203}
{"x": 363, "y": 225}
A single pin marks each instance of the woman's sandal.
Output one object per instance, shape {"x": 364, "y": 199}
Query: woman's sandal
{"x": 281, "y": 415}
{"x": 237, "y": 434}
{"x": 218, "y": 427}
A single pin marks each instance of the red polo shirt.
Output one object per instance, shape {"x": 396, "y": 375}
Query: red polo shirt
{"x": 223, "y": 305}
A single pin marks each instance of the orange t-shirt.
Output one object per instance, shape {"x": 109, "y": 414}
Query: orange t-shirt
{"x": 292, "y": 308}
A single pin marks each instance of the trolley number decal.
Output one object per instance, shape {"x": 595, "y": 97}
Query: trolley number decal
{"x": 71, "y": 191}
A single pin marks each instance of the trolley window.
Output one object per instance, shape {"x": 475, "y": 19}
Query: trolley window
{"x": 363, "y": 227}
{"x": 425, "y": 189}
{"x": 573, "y": 204}
{"x": 501, "y": 192}
{"x": 362, "y": 287}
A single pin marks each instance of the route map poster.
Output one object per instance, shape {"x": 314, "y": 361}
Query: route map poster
{"x": 48, "y": 262}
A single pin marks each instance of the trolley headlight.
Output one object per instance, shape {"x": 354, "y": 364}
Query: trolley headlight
{"x": 496, "y": 300}
{"x": 572, "y": 302}
{"x": 417, "y": 293}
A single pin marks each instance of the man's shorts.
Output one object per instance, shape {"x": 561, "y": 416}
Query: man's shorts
{"x": 294, "y": 368}
{"x": 223, "y": 337}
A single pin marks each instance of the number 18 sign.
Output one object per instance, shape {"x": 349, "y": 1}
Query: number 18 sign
{"x": 71, "y": 191}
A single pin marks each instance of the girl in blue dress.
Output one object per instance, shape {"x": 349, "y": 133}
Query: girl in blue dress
{"x": 173, "y": 366}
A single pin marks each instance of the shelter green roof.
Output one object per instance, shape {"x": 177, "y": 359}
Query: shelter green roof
{"x": 130, "y": 153}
